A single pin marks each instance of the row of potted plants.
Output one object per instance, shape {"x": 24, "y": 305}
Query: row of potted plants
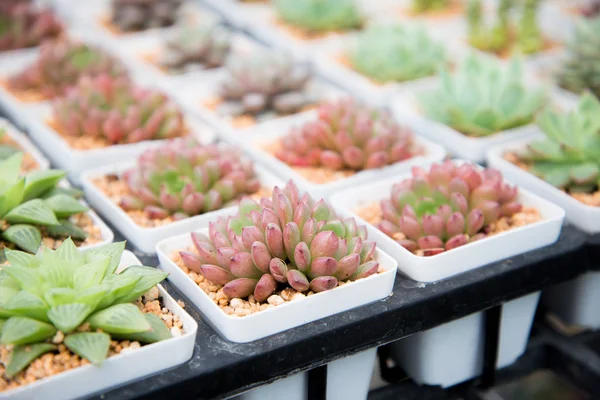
{"x": 285, "y": 250}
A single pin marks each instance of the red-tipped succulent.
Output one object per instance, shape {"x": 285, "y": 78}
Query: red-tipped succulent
{"x": 184, "y": 178}
{"x": 61, "y": 64}
{"x": 116, "y": 109}
{"x": 347, "y": 135}
{"x": 446, "y": 207}
{"x": 284, "y": 241}
{"x": 24, "y": 24}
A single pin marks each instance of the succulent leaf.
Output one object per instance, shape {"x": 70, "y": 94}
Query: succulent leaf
{"x": 158, "y": 332}
{"x": 22, "y": 330}
{"x": 92, "y": 346}
{"x": 22, "y": 356}
{"x": 26, "y": 237}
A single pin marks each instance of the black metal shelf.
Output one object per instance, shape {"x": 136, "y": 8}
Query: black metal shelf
{"x": 220, "y": 368}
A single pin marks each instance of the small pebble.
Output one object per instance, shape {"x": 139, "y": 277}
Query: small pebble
{"x": 275, "y": 300}
{"x": 236, "y": 303}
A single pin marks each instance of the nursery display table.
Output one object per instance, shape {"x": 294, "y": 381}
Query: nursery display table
{"x": 221, "y": 369}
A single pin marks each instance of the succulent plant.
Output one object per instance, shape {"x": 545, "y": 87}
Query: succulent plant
{"x": 421, "y": 6}
{"x": 184, "y": 179}
{"x": 61, "y": 64}
{"x": 581, "y": 69}
{"x": 347, "y": 135}
{"x": 23, "y": 24}
{"x": 319, "y": 15}
{"x": 395, "y": 53}
{"x": 483, "y": 97}
{"x": 592, "y": 9}
{"x": 137, "y": 15}
{"x": 569, "y": 156}
{"x": 264, "y": 80}
{"x": 288, "y": 240}
{"x": 494, "y": 39}
{"x": 116, "y": 109}
{"x": 500, "y": 37}
{"x": 62, "y": 290}
{"x": 446, "y": 207}
{"x": 207, "y": 44}
{"x": 34, "y": 202}
{"x": 529, "y": 37}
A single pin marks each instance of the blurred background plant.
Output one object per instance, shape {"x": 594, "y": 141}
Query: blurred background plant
{"x": 396, "y": 53}
{"x": 319, "y": 15}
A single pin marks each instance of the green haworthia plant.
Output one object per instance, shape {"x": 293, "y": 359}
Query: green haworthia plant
{"x": 530, "y": 38}
{"x": 581, "y": 70}
{"x": 32, "y": 203}
{"x": 319, "y": 15}
{"x": 62, "y": 290}
{"x": 421, "y": 6}
{"x": 499, "y": 37}
{"x": 569, "y": 156}
{"x": 483, "y": 97}
{"x": 395, "y": 53}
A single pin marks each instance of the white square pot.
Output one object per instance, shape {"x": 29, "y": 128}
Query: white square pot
{"x": 464, "y": 258}
{"x": 347, "y": 379}
{"x": 254, "y": 137}
{"x": 236, "y": 12}
{"x": 576, "y": 301}
{"x": 145, "y": 238}
{"x": 453, "y": 352}
{"x": 405, "y": 108}
{"x": 24, "y": 143}
{"x": 11, "y": 63}
{"x": 585, "y": 217}
{"x": 76, "y": 161}
{"x": 119, "y": 369}
{"x": 294, "y": 387}
{"x": 286, "y": 316}
{"x": 192, "y": 90}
